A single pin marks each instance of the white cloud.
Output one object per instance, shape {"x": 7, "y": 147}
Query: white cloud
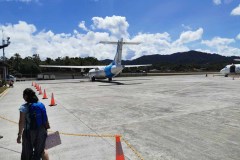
{"x": 218, "y": 41}
{"x": 21, "y": 32}
{"x": 82, "y": 26}
{"x": 117, "y": 25}
{"x": 236, "y": 11}
{"x": 217, "y": 2}
{"x": 159, "y": 43}
{"x": 189, "y": 36}
{"x": 27, "y": 40}
{"x": 238, "y": 36}
{"x": 222, "y": 46}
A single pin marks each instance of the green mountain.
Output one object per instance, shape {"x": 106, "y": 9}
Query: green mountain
{"x": 183, "y": 61}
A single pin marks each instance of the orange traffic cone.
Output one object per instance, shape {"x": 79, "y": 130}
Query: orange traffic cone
{"x": 38, "y": 87}
{"x": 119, "y": 151}
{"x": 35, "y": 85}
{"x": 44, "y": 95}
{"x": 52, "y": 101}
{"x": 40, "y": 91}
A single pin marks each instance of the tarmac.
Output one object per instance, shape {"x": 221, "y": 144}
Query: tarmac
{"x": 183, "y": 117}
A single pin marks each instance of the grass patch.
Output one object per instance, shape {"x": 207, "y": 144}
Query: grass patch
{"x": 2, "y": 89}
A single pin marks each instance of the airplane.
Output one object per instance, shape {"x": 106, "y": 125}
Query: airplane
{"x": 231, "y": 69}
{"x": 109, "y": 71}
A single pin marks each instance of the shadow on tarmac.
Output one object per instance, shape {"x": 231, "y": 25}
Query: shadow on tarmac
{"x": 114, "y": 83}
{"x": 120, "y": 84}
{"x": 134, "y": 80}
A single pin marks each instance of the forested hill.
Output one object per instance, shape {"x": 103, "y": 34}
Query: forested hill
{"x": 184, "y": 61}
{"x": 190, "y": 57}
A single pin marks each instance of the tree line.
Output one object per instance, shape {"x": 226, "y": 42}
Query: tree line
{"x": 29, "y": 66}
{"x": 190, "y": 61}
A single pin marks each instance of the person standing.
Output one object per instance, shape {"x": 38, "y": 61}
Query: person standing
{"x": 32, "y": 128}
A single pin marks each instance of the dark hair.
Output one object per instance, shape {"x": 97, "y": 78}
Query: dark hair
{"x": 31, "y": 96}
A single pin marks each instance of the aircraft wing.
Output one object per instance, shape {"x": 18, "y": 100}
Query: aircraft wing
{"x": 55, "y": 66}
{"x": 141, "y": 65}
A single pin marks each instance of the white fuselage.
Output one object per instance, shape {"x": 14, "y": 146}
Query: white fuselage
{"x": 227, "y": 70}
{"x": 105, "y": 72}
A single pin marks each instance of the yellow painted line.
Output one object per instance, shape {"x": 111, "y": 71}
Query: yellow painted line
{"x": 91, "y": 135}
{"x": 4, "y": 93}
{"x": 87, "y": 135}
{"x": 69, "y": 134}
{"x": 134, "y": 150}
{"x": 8, "y": 120}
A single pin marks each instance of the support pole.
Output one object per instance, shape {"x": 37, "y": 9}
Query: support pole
{"x": 4, "y": 59}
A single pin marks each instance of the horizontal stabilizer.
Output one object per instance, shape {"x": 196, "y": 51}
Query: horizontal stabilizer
{"x": 111, "y": 42}
{"x": 108, "y": 42}
{"x": 55, "y": 66}
{"x": 136, "y": 43}
{"x": 141, "y": 65}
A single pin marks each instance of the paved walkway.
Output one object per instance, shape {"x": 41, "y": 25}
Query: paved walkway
{"x": 167, "y": 117}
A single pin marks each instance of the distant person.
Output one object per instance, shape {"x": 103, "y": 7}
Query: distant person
{"x": 32, "y": 128}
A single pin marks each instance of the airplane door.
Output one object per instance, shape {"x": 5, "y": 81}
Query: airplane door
{"x": 232, "y": 68}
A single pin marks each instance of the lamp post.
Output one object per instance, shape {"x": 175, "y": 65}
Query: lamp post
{"x": 5, "y": 43}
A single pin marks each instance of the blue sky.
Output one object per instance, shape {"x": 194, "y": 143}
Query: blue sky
{"x": 56, "y": 28}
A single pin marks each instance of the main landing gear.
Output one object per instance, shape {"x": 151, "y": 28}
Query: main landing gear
{"x": 93, "y": 79}
{"x": 109, "y": 79}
